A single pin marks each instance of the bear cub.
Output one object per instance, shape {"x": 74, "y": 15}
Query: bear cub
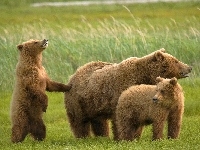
{"x": 29, "y": 100}
{"x": 142, "y": 105}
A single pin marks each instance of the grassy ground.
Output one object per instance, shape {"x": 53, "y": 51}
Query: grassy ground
{"x": 60, "y": 137}
{"x": 78, "y": 35}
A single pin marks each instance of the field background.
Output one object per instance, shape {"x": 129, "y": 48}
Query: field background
{"x": 111, "y": 33}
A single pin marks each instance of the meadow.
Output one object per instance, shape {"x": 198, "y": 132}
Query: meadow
{"x": 78, "y": 35}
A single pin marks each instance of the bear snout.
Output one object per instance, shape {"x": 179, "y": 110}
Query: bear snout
{"x": 155, "y": 100}
{"x": 185, "y": 73}
{"x": 189, "y": 69}
{"x": 45, "y": 43}
{"x": 45, "y": 40}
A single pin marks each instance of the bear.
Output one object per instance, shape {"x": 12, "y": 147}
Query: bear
{"x": 29, "y": 100}
{"x": 96, "y": 87}
{"x": 142, "y": 105}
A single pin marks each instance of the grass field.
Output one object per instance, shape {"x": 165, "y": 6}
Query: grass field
{"x": 78, "y": 35}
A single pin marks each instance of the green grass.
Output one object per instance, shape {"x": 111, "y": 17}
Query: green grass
{"x": 78, "y": 35}
{"x": 59, "y": 135}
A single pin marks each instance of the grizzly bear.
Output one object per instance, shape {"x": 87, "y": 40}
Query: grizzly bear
{"x": 29, "y": 100}
{"x": 96, "y": 88}
{"x": 143, "y": 104}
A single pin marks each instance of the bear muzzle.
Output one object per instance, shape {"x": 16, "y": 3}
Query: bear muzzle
{"x": 44, "y": 43}
{"x": 185, "y": 74}
{"x": 155, "y": 100}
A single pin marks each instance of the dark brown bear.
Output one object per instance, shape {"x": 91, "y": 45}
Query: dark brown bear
{"x": 96, "y": 88}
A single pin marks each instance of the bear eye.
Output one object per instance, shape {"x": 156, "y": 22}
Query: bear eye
{"x": 162, "y": 91}
{"x": 176, "y": 61}
{"x": 165, "y": 66}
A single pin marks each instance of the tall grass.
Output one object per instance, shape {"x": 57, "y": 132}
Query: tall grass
{"x": 110, "y": 41}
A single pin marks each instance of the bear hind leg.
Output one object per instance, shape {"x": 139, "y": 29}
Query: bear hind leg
{"x": 20, "y": 127}
{"x": 79, "y": 127}
{"x": 125, "y": 131}
{"x": 38, "y": 130}
{"x": 100, "y": 127}
{"x": 138, "y": 132}
{"x": 19, "y": 133}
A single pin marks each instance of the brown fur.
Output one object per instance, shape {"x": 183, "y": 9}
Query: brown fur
{"x": 96, "y": 88}
{"x": 142, "y": 105}
{"x": 29, "y": 100}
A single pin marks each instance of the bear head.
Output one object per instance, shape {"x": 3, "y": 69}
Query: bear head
{"x": 32, "y": 47}
{"x": 167, "y": 66}
{"x": 166, "y": 93}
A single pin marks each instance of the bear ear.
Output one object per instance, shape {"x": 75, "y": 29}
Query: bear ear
{"x": 162, "y": 50}
{"x": 158, "y": 56}
{"x": 19, "y": 47}
{"x": 173, "y": 81}
{"x": 159, "y": 79}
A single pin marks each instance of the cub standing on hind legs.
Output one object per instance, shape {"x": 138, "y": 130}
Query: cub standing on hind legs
{"x": 29, "y": 100}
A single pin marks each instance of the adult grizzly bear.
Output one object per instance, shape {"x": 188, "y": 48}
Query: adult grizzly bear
{"x": 29, "y": 100}
{"x": 143, "y": 104}
{"x": 96, "y": 87}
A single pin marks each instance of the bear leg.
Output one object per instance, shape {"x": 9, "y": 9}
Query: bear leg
{"x": 138, "y": 132}
{"x": 124, "y": 130}
{"x": 80, "y": 128}
{"x": 20, "y": 128}
{"x": 38, "y": 129}
{"x": 158, "y": 127}
{"x": 114, "y": 130}
{"x": 53, "y": 86}
{"x": 43, "y": 99}
{"x": 100, "y": 127}
{"x": 125, "y": 133}
{"x": 38, "y": 96}
{"x": 174, "y": 123}
{"x": 118, "y": 121}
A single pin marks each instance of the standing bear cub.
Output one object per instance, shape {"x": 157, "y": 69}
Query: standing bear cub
{"x": 29, "y": 100}
{"x": 142, "y": 105}
{"x": 96, "y": 88}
